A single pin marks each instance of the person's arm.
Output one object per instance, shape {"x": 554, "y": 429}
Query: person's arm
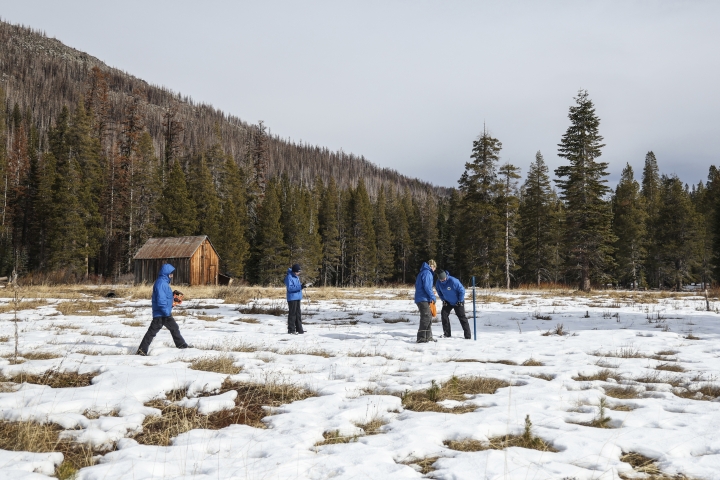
{"x": 461, "y": 291}
{"x": 293, "y": 284}
{"x": 438, "y": 289}
{"x": 429, "y": 286}
{"x": 165, "y": 300}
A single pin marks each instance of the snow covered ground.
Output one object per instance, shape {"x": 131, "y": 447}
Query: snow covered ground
{"x": 359, "y": 356}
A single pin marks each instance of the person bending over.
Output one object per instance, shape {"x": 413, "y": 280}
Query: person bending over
{"x": 452, "y": 294}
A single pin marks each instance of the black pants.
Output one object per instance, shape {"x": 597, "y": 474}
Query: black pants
{"x": 155, "y": 326}
{"x": 460, "y": 312}
{"x": 294, "y": 317}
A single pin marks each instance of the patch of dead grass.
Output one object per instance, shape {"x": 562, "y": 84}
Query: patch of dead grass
{"x": 457, "y": 388}
{"x": 525, "y": 440}
{"x": 647, "y": 466}
{"x": 40, "y": 438}
{"x": 135, "y": 323}
{"x": 602, "y": 375}
{"x": 543, "y": 376}
{"x": 424, "y": 465}
{"x": 206, "y": 318}
{"x": 670, "y": 367}
{"x": 54, "y": 379}
{"x": 621, "y": 392}
{"x": 24, "y": 304}
{"x": 224, "y": 364}
{"x": 34, "y": 355}
{"x": 247, "y": 320}
{"x": 396, "y": 320}
{"x": 84, "y": 308}
{"x": 531, "y": 362}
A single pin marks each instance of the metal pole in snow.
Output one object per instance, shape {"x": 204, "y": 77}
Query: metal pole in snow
{"x": 474, "y": 316}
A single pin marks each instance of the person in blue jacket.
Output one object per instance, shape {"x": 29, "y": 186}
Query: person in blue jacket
{"x": 424, "y": 296}
{"x": 452, "y": 294}
{"x": 294, "y": 296}
{"x": 162, "y": 304}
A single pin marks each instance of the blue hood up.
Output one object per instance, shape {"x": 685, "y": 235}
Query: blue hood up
{"x": 162, "y": 296}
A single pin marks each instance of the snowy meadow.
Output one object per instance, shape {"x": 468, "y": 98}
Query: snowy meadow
{"x": 558, "y": 385}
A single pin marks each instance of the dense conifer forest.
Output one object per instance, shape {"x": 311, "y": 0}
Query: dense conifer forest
{"x": 93, "y": 162}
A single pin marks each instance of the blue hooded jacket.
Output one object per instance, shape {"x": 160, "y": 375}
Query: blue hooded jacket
{"x": 452, "y": 291}
{"x": 162, "y": 296}
{"x": 294, "y": 288}
{"x": 424, "y": 285}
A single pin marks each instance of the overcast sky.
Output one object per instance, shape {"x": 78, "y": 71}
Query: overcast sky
{"x": 409, "y": 84}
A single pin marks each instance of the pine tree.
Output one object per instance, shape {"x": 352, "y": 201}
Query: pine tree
{"x": 330, "y": 233}
{"x": 232, "y": 243}
{"x": 447, "y": 228}
{"x": 538, "y": 224}
{"x": 508, "y": 203}
{"x": 588, "y": 232}
{"x": 402, "y": 240}
{"x": 205, "y": 197}
{"x": 629, "y": 228}
{"x": 677, "y": 233}
{"x": 362, "y": 247}
{"x": 481, "y": 248}
{"x": 383, "y": 240}
{"x": 651, "y": 194}
{"x": 271, "y": 255}
{"x": 178, "y": 214}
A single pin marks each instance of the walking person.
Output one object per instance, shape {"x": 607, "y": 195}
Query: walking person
{"x": 452, "y": 294}
{"x": 424, "y": 297}
{"x": 163, "y": 300}
{"x": 294, "y": 296}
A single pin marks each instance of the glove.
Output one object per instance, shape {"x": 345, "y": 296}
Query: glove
{"x": 446, "y": 303}
{"x": 302, "y": 286}
{"x": 460, "y": 304}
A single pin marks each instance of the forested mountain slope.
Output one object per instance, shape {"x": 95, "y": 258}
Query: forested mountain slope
{"x": 42, "y": 75}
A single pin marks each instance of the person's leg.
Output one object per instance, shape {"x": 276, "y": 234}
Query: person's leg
{"x": 445, "y": 317}
{"x": 154, "y": 328}
{"x": 171, "y": 324}
{"x": 293, "y": 311}
{"x": 298, "y": 318}
{"x": 460, "y": 312}
{"x": 425, "y": 329}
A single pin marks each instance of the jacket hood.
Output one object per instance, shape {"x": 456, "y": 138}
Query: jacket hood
{"x": 425, "y": 266}
{"x": 166, "y": 270}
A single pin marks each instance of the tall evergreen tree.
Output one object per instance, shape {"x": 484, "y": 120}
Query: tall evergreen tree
{"x": 362, "y": 249}
{"x": 508, "y": 203}
{"x": 232, "y": 243}
{"x": 271, "y": 254}
{"x": 651, "y": 194}
{"x": 178, "y": 214}
{"x": 402, "y": 239}
{"x": 677, "y": 233}
{"x": 588, "y": 231}
{"x": 629, "y": 227}
{"x": 538, "y": 223}
{"x": 204, "y": 195}
{"x": 481, "y": 248}
{"x": 329, "y": 219}
{"x": 383, "y": 239}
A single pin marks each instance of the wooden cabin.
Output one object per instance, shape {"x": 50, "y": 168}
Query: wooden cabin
{"x": 195, "y": 260}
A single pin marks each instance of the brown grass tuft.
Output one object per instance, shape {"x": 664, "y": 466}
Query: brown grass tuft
{"x": 621, "y": 392}
{"x": 543, "y": 376}
{"x": 247, "y": 320}
{"x": 135, "y": 323}
{"x": 425, "y": 464}
{"x": 526, "y": 440}
{"x": 219, "y": 364}
{"x": 372, "y": 426}
{"x": 29, "y": 304}
{"x": 39, "y": 438}
{"x": 503, "y": 362}
{"x": 54, "y": 379}
{"x": 603, "y": 375}
{"x": 531, "y": 362}
{"x": 670, "y": 367}
{"x": 39, "y": 355}
{"x": 454, "y": 389}
{"x": 84, "y": 307}
{"x": 333, "y": 437}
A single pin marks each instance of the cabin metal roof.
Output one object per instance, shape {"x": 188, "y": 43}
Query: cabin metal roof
{"x": 170, "y": 247}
